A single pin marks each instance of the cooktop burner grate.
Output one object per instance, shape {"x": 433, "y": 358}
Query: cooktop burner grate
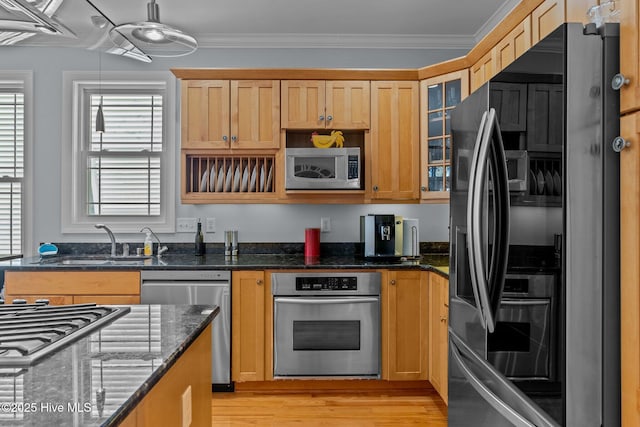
{"x": 29, "y": 332}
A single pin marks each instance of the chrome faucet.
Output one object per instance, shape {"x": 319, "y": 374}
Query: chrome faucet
{"x": 161, "y": 249}
{"x": 111, "y": 236}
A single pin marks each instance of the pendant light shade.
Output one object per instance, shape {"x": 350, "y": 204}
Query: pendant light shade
{"x": 100, "y": 118}
{"x": 154, "y": 38}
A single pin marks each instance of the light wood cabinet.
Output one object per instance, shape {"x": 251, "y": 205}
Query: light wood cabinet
{"x": 182, "y": 397}
{"x": 74, "y": 287}
{"x": 630, "y": 269}
{"x": 318, "y": 104}
{"x": 230, "y": 114}
{"x": 546, "y": 18}
{"x": 630, "y": 55}
{"x": 514, "y": 44}
{"x": 438, "y": 97}
{"x": 394, "y": 153}
{"x": 405, "y": 307}
{"x": 439, "y": 333}
{"x": 248, "y": 296}
{"x": 483, "y": 70}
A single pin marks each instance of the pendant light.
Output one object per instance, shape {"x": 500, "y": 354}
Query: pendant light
{"x": 100, "y": 114}
{"x": 154, "y": 38}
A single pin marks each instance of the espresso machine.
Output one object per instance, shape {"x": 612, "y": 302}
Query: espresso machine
{"x": 381, "y": 236}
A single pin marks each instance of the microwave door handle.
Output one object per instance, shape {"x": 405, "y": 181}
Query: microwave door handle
{"x": 472, "y": 196}
{"x": 415, "y": 245}
{"x": 500, "y": 245}
{"x": 459, "y": 352}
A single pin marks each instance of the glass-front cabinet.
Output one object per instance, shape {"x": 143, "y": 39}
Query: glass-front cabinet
{"x": 439, "y": 95}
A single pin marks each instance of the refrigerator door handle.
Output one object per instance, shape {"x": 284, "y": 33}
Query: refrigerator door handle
{"x": 474, "y": 224}
{"x": 459, "y": 352}
{"x": 472, "y": 201}
{"x": 500, "y": 245}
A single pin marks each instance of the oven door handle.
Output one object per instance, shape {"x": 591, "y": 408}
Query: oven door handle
{"x": 325, "y": 300}
{"x": 525, "y": 301}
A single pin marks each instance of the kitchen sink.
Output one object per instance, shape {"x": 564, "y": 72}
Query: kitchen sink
{"x": 95, "y": 260}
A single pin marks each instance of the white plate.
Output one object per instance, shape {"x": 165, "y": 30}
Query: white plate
{"x": 220, "y": 181}
{"x": 269, "y": 178}
{"x": 557, "y": 184}
{"x": 212, "y": 178}
{"x": 245, "y": 179}
{"x": 263, "y": 178}
{"x": 229, "y": 180}
{"x": 548, "y": 183}
{"x": 252, "y": 187}
{"x": 203, "y": 181}
{"x": 236, "y": 179}
{"x": 540, "y": 180}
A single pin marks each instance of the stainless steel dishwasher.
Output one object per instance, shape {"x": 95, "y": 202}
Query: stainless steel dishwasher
{"x": 197, "y": 287}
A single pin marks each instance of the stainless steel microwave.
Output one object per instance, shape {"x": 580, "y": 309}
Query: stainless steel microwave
{"x": 323, "y": 168}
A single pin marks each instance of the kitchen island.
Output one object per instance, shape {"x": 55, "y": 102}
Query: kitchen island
{"x": 153, "y": 360}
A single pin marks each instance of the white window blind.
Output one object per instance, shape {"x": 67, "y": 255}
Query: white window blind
{"x": 124, "y": 163}
{"x": 11, "y": 167}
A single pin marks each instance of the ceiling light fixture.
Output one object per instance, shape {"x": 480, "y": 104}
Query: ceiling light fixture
{"x": 154, "y": 38}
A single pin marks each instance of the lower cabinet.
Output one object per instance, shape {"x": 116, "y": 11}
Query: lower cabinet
{"x": 405, "y": 322}
{"x": 182, "y": 397}
{"x": 248, "y": 325}
{"x": 439, "y": 333}
{"x": 73, "y": 287}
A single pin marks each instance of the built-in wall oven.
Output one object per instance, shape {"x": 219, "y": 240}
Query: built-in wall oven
{"x": 523, "y": 344}
{"x": 326, "y": 324}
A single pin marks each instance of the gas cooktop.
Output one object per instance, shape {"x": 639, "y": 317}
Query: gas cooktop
{"x": 29, "y": 332}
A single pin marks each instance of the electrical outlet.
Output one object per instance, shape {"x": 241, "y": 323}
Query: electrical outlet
{"x": 325, "y": 224}
{"x": 187, "y": 225}
{"x": 187, "y": 410}
{"x": 210, "y": 225}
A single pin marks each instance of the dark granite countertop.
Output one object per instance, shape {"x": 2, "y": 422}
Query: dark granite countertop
{"x": 432, "y": 262}
{"x": 125, "y": 358}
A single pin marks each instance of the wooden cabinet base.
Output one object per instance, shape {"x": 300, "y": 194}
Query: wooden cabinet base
{"x": 182, "y": 397}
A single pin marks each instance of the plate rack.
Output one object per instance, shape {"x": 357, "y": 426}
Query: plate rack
{"x": 230, "y": 174}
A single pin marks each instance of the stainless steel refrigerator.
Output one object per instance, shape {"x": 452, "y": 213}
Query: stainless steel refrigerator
{"x": 534, "y": 239}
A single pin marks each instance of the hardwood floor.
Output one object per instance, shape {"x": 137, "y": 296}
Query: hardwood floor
{"x": 368, "y": 408}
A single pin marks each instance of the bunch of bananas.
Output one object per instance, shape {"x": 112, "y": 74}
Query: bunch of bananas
{"x": 326, "y": 141}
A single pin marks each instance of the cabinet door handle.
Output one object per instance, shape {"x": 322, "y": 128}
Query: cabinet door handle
{"x": 443, "y": 319}
{"x": 234, "y": 138}
{"x": 321, "y": 118}
{"x": 259, "y": 282}
{"x": 329, "y": 118}
{"x": 224, "y": 138}
{"x": 423, "y": 188}
{"x": 393, "y": 282}
{"x": 375, "y": 188}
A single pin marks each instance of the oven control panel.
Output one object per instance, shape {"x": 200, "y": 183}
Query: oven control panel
{"x": 325, "y": 283}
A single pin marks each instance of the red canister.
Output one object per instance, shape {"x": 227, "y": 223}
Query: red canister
{"x": 312, "y": 242}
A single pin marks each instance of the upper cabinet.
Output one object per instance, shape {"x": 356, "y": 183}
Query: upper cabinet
{"x": 235, "y": 114}
{"x": 510, "y": 102}
{"x": 546, "y": 18}
{"x": 394, "y": 152}
{"x": 331, "y": 104}
{"x": 438, "y": 97}
{"x": 544, "y": 117}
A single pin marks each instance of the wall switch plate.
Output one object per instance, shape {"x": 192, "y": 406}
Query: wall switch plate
{"x": 210, "y": 225}
{"x": 325, "y": 224}
{"x": 187, "y": 225}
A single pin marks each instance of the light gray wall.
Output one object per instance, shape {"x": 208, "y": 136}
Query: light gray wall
{"x": 257, "y": 223}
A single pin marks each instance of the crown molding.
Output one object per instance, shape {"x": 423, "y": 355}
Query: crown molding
{"x": 495, "y": 19}
{"x": 335, "y": 41}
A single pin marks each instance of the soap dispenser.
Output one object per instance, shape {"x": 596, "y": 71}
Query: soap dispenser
{"x": 200, "y": 247}
{"x": 148, "y": 244}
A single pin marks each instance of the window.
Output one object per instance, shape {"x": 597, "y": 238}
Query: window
{"x": 12, "y": 164}
{"x": 123, "y": 177}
